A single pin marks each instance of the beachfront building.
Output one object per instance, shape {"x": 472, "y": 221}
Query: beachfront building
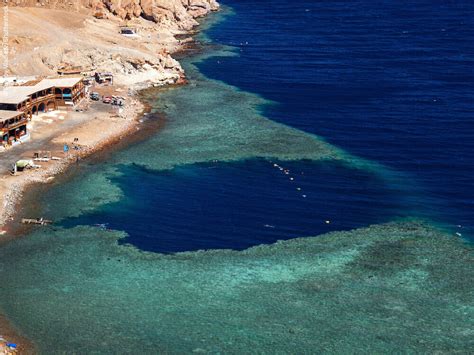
{"x": 68, "y": 91}
{"x": 13, "y": 127}
{"x": 42, "y": 95}
{"x": 19, "y": 103}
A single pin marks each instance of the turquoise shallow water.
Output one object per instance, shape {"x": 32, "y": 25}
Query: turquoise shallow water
{"x": 80, "y": 290}
{"x": 387, "y": 288}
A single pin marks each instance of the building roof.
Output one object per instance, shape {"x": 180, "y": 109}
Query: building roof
{"x": 15, "y": 94}
{"x": 18, "y": 94}
{"x": 6, "y": 115}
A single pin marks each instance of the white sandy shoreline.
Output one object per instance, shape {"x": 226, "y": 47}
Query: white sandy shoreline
{"x": 16, "y": 186}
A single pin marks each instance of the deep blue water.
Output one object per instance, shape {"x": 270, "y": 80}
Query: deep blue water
{"x": 389, "y": 81}
{"x": 239, "y": 205}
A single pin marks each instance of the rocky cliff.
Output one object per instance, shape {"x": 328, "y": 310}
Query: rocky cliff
{"x": 48, "y": 35}
{"x": 178, "y": 14}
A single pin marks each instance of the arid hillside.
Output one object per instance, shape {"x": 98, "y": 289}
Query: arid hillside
{"x": 48, "y": 35}
{"x": 173, "y": 13}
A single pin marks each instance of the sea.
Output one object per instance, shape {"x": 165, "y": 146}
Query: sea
{"x": 389, "y": 83}
{"x": 300, "y": 118}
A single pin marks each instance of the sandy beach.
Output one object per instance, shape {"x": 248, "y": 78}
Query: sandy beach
{"x": 97, "y": 127}
{"x": 137, "y": 63}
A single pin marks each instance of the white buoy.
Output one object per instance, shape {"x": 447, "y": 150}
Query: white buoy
{"x": 458, "y": 234}
{"x": 298, "y": 188}
{"x": 328, "y": 222}
{"x": 291, "y": 179}
{"x": 304, "y": 196}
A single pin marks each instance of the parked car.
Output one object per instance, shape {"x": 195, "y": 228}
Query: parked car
{"x": 95, "y": 96}
{"x": 107, "y": 99}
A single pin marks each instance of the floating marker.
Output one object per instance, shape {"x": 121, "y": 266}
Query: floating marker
{"x": 458, "y": 234}
{"x": 328, "y": 222}
{"x": 304, "y": 196}
{"x": 298, "y": 188}
{"x": 291, "y": 179}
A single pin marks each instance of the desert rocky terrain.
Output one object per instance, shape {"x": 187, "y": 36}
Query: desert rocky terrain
{"x": 173, "y": 13}
{"x": 47, "y": 35}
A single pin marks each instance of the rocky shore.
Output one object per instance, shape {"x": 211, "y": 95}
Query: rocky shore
{"x": 136, "y": 64}
{"x": 86, "y": 35}
{"x": 174, "y": 14}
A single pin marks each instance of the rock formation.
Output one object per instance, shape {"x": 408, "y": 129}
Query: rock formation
{"x": 52, "y": 39}
{"x": 179, "y": 14}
